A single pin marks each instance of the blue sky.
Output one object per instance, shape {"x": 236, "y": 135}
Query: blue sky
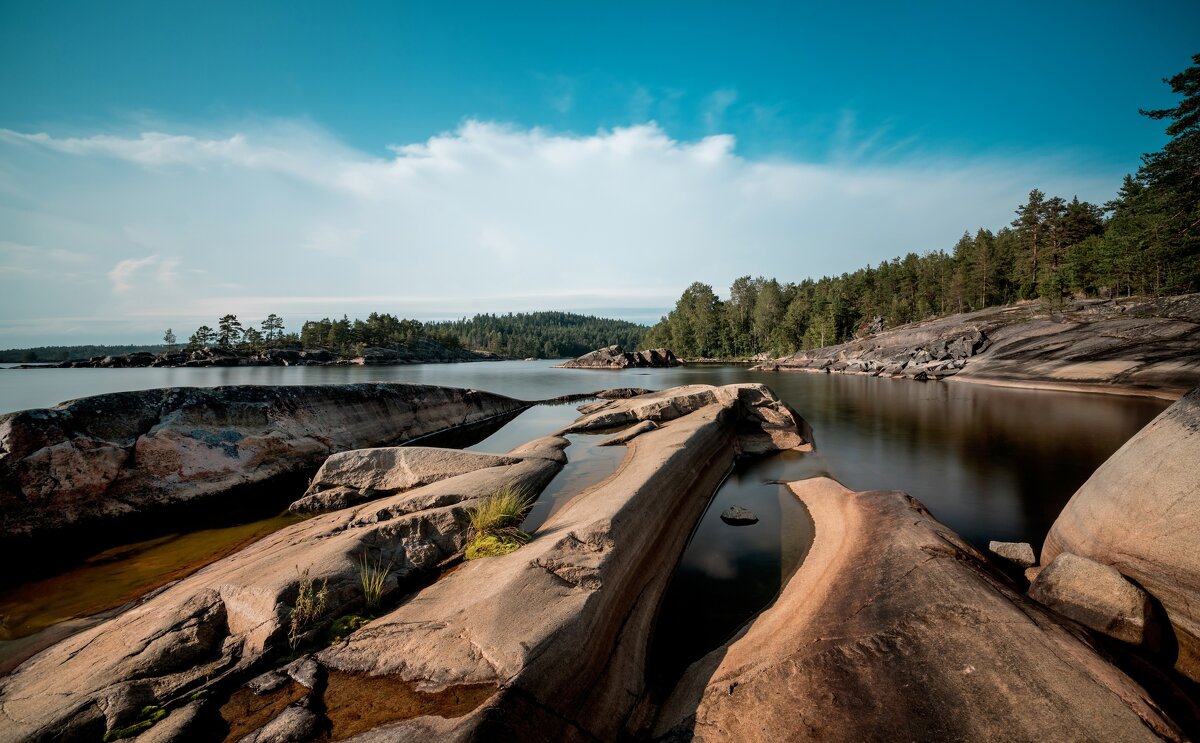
{"x": 159, "y": 160}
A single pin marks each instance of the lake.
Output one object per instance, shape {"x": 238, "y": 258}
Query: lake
{"x": 991, "y": 462}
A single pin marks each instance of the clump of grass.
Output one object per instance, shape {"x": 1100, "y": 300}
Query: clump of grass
{"x": 149, "y": 715}
{"x": 373, "y": 577}
{"x": 343, "y": 627}
{"x": 495, "y": 521}
{"x": 310, "y": 605}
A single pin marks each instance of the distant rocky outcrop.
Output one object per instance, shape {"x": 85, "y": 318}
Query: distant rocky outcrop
{"x": 894, "y": 628}
{"x": 417, "y": 351}
{"x": 616, "y": 357}
{"x": 99, "y": 461}
{"x": 1147, "y": 345}
{"x": 1140, "y": 513}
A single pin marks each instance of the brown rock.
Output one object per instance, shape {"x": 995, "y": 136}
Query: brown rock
{"x": 1018, "y": 553}
{"x": 1094, "y": 595}
{"x": 1140, "y": 513}
{"x": 104, "y": 459}
{"x": 893, "y": 628}
{"x": 629, "y": 434}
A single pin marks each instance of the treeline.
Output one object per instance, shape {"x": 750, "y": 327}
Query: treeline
{"x": 1145, "y": 241}
{"x": 547, "y": 335}
{"x": 69, "y": 353}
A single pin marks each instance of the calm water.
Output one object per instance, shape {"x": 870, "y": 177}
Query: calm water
{"x": 992, "y": 463}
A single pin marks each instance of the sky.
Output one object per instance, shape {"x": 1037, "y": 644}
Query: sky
{"x": 162, "y": 164}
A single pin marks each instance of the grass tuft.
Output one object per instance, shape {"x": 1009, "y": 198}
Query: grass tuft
{"x": 495, "y": 523}
{"x": 373, "y": 577}
{"x": 310, "y": 605}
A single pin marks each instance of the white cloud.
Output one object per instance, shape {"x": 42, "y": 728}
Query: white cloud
{"x": 484, "y": 218}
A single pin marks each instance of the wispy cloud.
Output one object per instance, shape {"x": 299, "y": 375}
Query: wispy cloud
{"x": 485, "y": 217}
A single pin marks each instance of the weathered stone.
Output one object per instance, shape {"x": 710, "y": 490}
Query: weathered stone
{"x": 893, "y": 628}
{"x": 296, "y": 723}
{"x": 629, "y": 434}
{"x": 382, "y": 471}
{"x": 622, "y": 393}
{"x": 222, "y": 620}
{"x": 1095, "y": 595}
{"x": 104, "y": 459}
{"x": 1018, "y": 553}
{"x": 1140, "y": 513}
{"x": 738, "y": 516}
{"x": 616, "y": 357}
{"x": 1143, "y": 345}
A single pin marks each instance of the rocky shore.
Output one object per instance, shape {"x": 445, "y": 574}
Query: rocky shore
{"x": 419, "y": 351}
{"x": 893, "y": 627}
{"x": 616, "y": 357}
{"x": 1138, "y": 346}
{"x": 94, "y": 463}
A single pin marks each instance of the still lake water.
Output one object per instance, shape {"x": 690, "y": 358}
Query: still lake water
{"x": 990, "y": 462}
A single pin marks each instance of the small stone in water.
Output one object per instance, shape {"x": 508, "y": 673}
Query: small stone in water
{"x": 738, "y": 516}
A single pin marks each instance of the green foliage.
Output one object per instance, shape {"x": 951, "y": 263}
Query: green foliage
{"x": 343, "y": 627}
{"x": 542, "y": 335}
{"x": 69, "y": 353}
{"x": 309, "y": 607}
{"x": 148, "y": 716}
{"x": 373, "y": 578}
{"x": 495, "y": 521}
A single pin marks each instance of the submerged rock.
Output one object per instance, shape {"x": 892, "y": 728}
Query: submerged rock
{"x": 738, "y": 516}
{"x": 1094, "y": 595}
{"x": 893, "y": 628}
{"x": 104, "y": 460}
{"x": 1140, "y": 513}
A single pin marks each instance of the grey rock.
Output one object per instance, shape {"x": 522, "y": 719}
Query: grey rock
{"x": 1018, "y": 553}
{"x": 629, "y": 434}
{"x": 295, "y": 723}
{"x": 1095, "y": 595}
{"x": 738, "y": 516}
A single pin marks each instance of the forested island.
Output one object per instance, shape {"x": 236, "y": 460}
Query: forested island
{"x": 1143, "y": 242}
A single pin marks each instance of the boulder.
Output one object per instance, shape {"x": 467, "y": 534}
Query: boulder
{"x": 217, "y": 626}
{"x": 87, "y": 465}
{"x": 1018, "y": 553}
{"x": 738, "y": 516}
{"x": 894, "y": 628}
{"x": 766, "y": 422}
{"x": 1140, "y": 513}
{"x": 1095, "y": 595}
{"x": 351, "y": 477}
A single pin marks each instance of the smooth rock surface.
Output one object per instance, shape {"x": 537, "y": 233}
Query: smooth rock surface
{"x": 1018, "y": 553}
{"x": 1146, "y": 345}
{"x": 894, "y": 628}
{"x": 1140, "y": 513}
{"x": 220, "y": 622}
{"x": 99, "y": 460}
{"x": 373, "y": 473}
{"x": 1095, "y": 595}
{"x": 629, "y": 434}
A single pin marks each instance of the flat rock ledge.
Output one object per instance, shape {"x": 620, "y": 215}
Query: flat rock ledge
{"x": 616, "y": 357}
{"x": 1139, "y": 345}
{"x": 1140, "y": 513}
{"x": 103, "y": 460}
{"x": 894, "y": 628}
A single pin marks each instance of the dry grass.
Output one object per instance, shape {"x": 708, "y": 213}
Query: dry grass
{"x": 310, "y": 605}
{"x": 373, "y": 577}
{"x": 495, "y": 523}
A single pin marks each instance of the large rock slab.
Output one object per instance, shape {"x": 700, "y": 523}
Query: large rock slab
{"x": 1140, "y": 513}
{"x": 894, "y": 628}
{"x": 351, "y": 477}
{"x": 765, "y": 422}
{"x": 219, "y": 623}
{"x": 1095, "y": 595}
{"x": 556, "y": 633}
{"x": 105, "y": 459}
{"x": 1139, "y": 345}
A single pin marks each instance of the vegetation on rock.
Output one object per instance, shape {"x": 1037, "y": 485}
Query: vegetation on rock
{"x": 495, "y": 521}
{"x": 309, "y": 607}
